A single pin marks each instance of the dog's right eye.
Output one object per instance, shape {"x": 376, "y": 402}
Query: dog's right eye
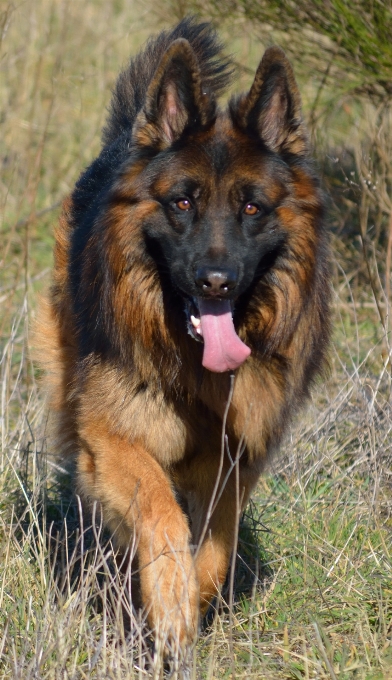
{"x": 251, "y": 209}
{"x": 183, "y": 204}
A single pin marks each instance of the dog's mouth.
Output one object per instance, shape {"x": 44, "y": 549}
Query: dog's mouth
{"x": 211, "y": 321}
{"x": 193, "y": 319}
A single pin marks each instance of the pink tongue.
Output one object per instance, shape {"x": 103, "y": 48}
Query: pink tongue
{"x": 223, "y": 350}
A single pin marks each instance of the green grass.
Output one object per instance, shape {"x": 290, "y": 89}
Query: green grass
{"x": 313, "y": 582}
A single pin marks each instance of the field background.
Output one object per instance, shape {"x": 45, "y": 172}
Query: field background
{"x": 311, "y": 596}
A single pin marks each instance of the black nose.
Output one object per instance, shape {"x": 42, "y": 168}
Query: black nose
{"x": 215, "y": 282}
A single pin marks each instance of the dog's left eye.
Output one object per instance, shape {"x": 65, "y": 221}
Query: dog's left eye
{"x": 183, "y": 204}
{"x": 251, "y": 209}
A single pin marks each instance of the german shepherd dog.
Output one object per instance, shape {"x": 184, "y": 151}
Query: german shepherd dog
{"x": 189, "y": 310}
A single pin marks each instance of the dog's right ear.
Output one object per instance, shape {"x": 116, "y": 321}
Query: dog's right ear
{"x": 175, "y": 99}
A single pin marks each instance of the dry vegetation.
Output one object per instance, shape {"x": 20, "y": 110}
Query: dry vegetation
{"x": 312, "y": 591}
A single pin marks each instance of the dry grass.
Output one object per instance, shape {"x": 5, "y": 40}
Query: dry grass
{"x": 312, "y": 589}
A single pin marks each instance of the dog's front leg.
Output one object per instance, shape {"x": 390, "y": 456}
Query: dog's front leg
{"x": 138, "y": 500}
{"x": 215, "y": 514}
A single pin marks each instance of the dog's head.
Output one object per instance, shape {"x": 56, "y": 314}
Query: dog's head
{"x": 223, "y": 190}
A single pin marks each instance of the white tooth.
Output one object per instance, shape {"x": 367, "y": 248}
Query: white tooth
{"x": 195, "y": 321}
{"x": 198, "y": 330}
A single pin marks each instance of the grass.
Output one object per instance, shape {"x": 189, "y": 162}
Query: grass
{"x": 313, "y": 580}
{"x": 342, "y": 42}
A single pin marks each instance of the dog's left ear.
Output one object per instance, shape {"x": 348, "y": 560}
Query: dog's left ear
{"x": 272, "y": 107}
{"x": 175, "y": 99}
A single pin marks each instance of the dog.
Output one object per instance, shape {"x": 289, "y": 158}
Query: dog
{"x": 189, "y": 310}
